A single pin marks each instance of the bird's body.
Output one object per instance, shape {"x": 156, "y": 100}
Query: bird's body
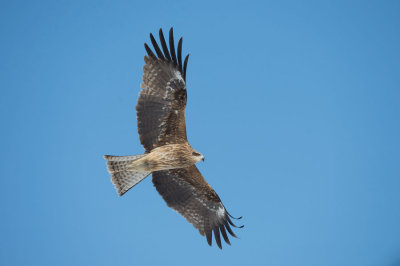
{"x": 169, "y": 157}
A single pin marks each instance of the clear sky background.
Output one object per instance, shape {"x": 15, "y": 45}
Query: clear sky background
{"x": 295, "y": 105}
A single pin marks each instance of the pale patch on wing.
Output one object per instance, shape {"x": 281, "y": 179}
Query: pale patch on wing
{"x": 178, "y": 76}
{"x": 221, "y": 212}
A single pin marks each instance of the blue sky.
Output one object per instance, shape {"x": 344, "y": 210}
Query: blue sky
{"x": 295, "y": 105}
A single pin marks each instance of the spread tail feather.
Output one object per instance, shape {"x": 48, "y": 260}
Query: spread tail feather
{"x": 123, "y": 177}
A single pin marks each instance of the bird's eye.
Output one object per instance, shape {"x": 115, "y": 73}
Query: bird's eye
{"x": 196, "y": 153}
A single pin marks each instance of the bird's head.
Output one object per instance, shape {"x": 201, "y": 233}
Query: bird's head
{"x": 197, "y": 156}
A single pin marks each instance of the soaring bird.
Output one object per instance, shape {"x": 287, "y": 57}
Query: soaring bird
{"x": 168, "y": 155}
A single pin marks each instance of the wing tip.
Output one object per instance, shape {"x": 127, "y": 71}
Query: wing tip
{"x": 221, "y": 229}
{"x": 172, "y": 55}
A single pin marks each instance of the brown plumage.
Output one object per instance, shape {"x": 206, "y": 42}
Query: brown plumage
{"x": 169, "y": 156}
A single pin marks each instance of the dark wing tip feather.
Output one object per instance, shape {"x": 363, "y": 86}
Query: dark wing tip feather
{"x": 233, "y": 217}
{"x": 156, "y": 48}
{"x": 209, "y": 237}
{"x": 231, "y": 223}
{"x": 149, "y": 51}
{"x": 185, "y": 66}
{"x": 164, "y": 45}
{"x": 224, "y": 235}
{"x": 180, "y": 54}
{"x": 229, "y": 229}
{"x": 172, "y": 46}
{"x": 217, "y": 237}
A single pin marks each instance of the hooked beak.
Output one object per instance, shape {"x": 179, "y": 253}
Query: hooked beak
{"x": 203, "y": 159}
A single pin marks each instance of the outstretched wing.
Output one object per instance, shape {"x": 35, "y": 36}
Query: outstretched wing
{"x": 186, "y": 191}
{"x": 161, "y": 105}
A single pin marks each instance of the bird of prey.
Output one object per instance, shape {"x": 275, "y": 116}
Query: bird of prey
{"x": 168, "y": 155}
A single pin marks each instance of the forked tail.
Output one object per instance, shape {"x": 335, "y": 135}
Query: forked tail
{"x": 123, "y": 177}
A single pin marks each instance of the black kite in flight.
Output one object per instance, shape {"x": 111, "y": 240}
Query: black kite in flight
{"x": 169, "y": 156}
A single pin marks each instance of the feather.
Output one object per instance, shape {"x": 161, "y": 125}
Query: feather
{"x": 149, "y": 51}
{"x": 209, "y": 237}
{"x": 217, "y": 237}
{"x": 229, "y": 229}
{"x": 156, "y": 48}
{"x": 184, "y": 67}
{"x": 224, "y": 235}
{"x": 238, "y": 218}
{"x": 172, "y": 46}
{"x": 230, "y": 221}
{"x": 180, "y": 54}
{"x": 164, "y": 45}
